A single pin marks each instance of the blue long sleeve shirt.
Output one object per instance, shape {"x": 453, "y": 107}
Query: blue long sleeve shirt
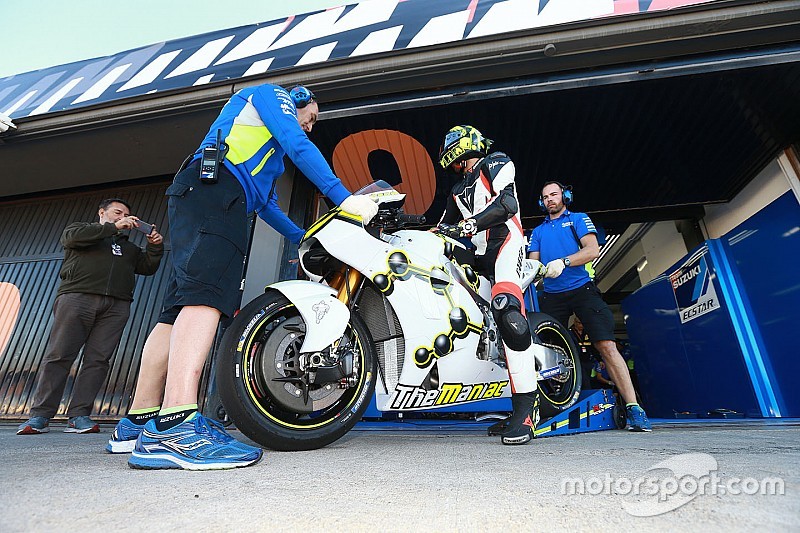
{"x": 259, "y": 125}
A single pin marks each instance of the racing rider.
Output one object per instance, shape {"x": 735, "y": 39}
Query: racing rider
{"x": 483, "y": 206}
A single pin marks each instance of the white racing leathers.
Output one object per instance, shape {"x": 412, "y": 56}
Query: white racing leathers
{"x": 487, "y": 195}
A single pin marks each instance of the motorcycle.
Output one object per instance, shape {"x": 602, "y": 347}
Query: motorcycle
{"x": 388, "y": 312}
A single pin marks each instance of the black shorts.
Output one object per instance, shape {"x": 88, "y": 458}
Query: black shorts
{"x": 208, "y": 239}
{"x": 587, "y": 304}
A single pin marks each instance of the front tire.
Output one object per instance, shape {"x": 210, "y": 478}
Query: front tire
{"x": 259, "y": 369}
{"x": 560, "y": 392}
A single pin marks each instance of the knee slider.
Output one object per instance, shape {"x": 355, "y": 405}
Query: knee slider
{"x": 512, "y": 324}
{"x": 515, "y": 331}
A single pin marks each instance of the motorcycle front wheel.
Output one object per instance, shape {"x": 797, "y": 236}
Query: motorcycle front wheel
{"x": 264, "y": 384}
{"x": 559, "y": 392}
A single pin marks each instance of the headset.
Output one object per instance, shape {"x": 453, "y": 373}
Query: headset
{"x": 566, "y": 194}
{"x": 301, "y": 96}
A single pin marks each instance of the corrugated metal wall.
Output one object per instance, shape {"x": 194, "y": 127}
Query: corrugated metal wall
{"x": 30, "y": 258}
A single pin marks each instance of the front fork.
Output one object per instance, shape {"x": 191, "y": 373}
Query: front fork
{"x": 346, "y": 280}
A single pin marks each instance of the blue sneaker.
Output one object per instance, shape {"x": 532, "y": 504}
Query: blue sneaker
{"x": 34, "y": 426}
{"x": 637, "y": 419}
{"x": 197, "y": 443}
{"x": 124, "y": 437}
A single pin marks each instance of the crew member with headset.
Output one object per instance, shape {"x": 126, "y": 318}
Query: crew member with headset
{"x": 566, "y": 242}
{"x": 232, "y": 173}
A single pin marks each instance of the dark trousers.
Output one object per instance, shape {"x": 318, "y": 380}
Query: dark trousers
{"x": 90, "y": 321}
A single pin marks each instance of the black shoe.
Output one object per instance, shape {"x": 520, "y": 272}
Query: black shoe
{"x": 498, "y": 428}
{"x": 524, "y": 419}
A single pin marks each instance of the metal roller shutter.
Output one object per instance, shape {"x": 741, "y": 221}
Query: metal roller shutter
{"x": 30, "y": 259}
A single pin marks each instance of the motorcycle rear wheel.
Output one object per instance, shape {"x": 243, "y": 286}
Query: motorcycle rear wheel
{"x": 560, "y": 392}
{"x": 260, "y": 405}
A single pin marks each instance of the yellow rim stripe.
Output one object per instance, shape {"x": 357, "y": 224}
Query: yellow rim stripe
{"x": 574, "y": 374}
{"x": 246, "y": 373}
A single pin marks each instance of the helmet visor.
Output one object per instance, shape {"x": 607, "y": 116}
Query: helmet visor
{"x": 456, "y": 151}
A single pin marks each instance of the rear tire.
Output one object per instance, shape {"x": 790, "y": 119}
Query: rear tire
{"x": 560, "y": 392}
{"x": 260, "y": 350}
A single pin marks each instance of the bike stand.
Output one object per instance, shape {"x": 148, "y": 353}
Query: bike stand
{"x": 594, "y": 411}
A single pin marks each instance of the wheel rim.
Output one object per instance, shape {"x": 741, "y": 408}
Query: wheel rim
{"x": 559, "y": 390}
{"x": 272, "y": 366}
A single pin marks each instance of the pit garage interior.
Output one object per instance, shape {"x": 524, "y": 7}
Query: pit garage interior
{"x": 673, "y": 128}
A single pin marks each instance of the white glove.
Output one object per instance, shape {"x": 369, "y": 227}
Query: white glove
{"x": 362, "y": 206}
{"x": 535, "y": 266}
{"x": 6, "y": 124}
{"x": 554, "y": 268}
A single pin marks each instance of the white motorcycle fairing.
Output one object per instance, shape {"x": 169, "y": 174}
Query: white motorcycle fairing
{"x": 325, "y": 316}
{"x": 404, "y": 260}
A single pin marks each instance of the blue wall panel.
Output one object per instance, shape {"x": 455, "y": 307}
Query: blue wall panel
{"x": 694, "y": 366}
{"x": 765, "y": 252}
{"x": 740, "y": 352}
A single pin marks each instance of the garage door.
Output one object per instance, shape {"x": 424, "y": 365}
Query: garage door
{"x": 30, "y": 259}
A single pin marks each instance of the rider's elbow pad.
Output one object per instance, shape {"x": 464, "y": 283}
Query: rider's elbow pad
{"x": 509, "y": 204}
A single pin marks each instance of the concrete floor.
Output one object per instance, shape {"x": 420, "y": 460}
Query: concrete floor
{"x": 418, "y": 479}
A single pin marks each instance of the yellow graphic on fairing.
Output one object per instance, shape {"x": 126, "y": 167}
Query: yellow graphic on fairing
{"x": 472, "y": 278}
{"x": 401, "y": 269}
{"x": 335, "y": 213}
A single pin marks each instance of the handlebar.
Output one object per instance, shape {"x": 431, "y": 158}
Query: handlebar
{"x": 410, "y": 219}
{"x": 449, "y": 230}
{"x": 393, "y": 218}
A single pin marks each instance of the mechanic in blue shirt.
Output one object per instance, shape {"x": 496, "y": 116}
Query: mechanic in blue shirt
{"x": 208, "y": 233}
{"x": 567, "y": 242}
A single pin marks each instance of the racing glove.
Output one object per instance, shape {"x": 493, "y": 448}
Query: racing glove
{"x": 465, "y": 228}
{"x": 448, "y": 230}
{"x": 468, "y": 227}
{"x": 555, "y": 268}
{"x": 6, "y": 124}
{"x": 362, "y": 206}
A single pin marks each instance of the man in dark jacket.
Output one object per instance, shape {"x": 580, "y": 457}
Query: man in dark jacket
{"x": 90, "y": 311}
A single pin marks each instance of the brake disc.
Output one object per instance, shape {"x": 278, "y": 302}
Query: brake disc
{"x": 285, "y": 371}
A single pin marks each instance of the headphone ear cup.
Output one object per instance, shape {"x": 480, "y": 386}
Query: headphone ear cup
{"x": 541, "y": 205}
{"x": 567, "y": 196}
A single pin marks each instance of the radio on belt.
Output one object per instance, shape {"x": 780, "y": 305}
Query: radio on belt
{"x": 211, "y": 160}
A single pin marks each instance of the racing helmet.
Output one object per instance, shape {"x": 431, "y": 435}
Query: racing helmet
{"x": 462, "y": 142}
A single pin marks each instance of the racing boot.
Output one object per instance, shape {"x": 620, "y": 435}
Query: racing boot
{"x": 498, "y": 428}
{"x": 525, "y": 397}
{"x": 525, "y": 418}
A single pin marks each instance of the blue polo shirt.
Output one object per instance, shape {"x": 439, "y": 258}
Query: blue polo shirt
{"x": 554, "y": 239}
